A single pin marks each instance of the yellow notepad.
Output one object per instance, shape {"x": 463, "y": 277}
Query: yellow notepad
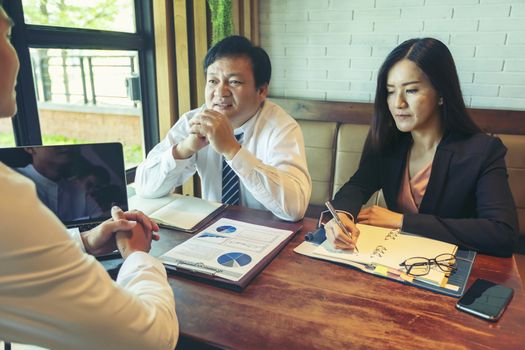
{"x": 382, "y": 249}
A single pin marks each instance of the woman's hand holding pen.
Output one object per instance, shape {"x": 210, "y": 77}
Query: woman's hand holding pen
{"x": 335, "y": 235}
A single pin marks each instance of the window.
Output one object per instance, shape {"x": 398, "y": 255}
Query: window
{"x": 114, "y": 15}
{"x": 86, "y": 96}
{"x": 87, "y": 73}
{"x": 7, "y": 137}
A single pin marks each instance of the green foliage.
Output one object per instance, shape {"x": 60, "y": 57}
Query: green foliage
{"x": 221, "y": 19}
{"x": 7, "y": 139}
{"x": 94, "y": 14}
{"x": 132, "y": 153}
{"x": 59, "y": 140}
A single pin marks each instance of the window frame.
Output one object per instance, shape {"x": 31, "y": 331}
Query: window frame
{"x": 26, "y": 125}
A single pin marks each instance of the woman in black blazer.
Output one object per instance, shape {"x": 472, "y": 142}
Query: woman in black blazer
{"x": 441, "y": 176}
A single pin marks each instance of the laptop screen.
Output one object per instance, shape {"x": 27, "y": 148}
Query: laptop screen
{"x": 79, "y": 183}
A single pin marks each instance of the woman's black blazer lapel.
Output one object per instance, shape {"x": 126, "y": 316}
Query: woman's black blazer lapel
{"x": 438, "y": 176}
{"x": 395, "y": 163}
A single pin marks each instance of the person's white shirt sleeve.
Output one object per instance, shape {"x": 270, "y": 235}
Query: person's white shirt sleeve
{"x": 55, "y": 296}
{"x": 160, "y": 173}
{"x": 281, "y": 183}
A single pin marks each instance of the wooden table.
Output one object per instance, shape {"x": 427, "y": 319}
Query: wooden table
{"x": 302, "y": 303}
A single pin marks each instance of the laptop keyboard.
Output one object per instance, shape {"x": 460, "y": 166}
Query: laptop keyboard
{"x": 87, "y": 227}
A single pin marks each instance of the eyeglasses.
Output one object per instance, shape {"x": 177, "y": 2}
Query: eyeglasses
{"x": 420, "y": 266}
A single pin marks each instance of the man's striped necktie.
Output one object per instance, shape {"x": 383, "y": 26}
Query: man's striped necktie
{"x": 231, "y": 187}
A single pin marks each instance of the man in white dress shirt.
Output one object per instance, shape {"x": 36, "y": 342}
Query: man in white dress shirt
{"x": 54, "y": 295}
{"x": 257, "y": 139}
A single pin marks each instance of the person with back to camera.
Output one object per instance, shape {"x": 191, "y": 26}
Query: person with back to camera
{"x": 237, "y": 134}
{"x": 441, "y": 176}
{"x": 51, "y": 293}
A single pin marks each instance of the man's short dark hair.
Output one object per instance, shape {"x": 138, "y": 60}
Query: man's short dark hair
{"x": 235, "y": 46}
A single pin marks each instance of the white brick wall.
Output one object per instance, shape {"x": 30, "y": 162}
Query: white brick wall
{"x": 331, "y": 49}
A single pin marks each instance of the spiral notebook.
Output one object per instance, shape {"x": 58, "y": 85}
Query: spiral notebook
{"x": 381, "y": 251}
{"x": 178, "y": 212}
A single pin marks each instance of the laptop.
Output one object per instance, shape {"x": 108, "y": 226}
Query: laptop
{"x": 79, "y": 183}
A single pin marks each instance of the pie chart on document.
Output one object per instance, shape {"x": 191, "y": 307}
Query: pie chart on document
{"x": 226, "y": 229}
{"x": 234, "y": 259}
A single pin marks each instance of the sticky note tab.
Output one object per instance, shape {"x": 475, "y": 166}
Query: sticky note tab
{"x": 381, "y": 270}
{"x": 406, "y": 277}
{"x": 452, "y": 287}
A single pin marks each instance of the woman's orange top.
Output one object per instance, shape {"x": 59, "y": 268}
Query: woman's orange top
{"x": 413, "y": 189}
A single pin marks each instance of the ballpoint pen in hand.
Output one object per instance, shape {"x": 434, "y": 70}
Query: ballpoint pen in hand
{"x": 339, "y": 222}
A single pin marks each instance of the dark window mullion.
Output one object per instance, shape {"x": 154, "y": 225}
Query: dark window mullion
{"x": 148, "y": 85}
{"x": 144, "y": 22}
{"x": 26, "y": 123}
{"x": 73, "y": 38}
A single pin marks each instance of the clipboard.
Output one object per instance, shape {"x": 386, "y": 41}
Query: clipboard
{"x": 457, "y": 280}
{"x": 465, "y": 261}
{"x": 205, "y": 273}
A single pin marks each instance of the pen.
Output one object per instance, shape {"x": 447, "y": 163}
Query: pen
{"x": 338, "y": 221}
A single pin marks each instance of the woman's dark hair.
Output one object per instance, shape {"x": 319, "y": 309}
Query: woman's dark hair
{"x": 235, "y": 46}
{"x": 435, "y": 60}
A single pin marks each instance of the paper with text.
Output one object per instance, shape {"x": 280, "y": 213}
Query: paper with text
{"x": 227, "y": 249}
{"x": 388, "y": 248}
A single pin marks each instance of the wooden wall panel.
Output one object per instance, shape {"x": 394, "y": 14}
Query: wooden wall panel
{"x": 236, "y": 17}
{"x": 247, "y": 19}
{"x": 492, "y": 121}
{"x": 255, "y": 36}
{"x": 245, "y": 14}
{"x": 200, "y": 22}
{"x": 165, "y": 65}
{"x": 182, "y": 55}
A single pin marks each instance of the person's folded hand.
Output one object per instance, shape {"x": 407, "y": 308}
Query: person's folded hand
{"x": 101, "y": 239}
{"x": 139, "y": 237}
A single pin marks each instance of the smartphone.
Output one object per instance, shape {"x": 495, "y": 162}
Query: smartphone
{"x": 485, "y": 299}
